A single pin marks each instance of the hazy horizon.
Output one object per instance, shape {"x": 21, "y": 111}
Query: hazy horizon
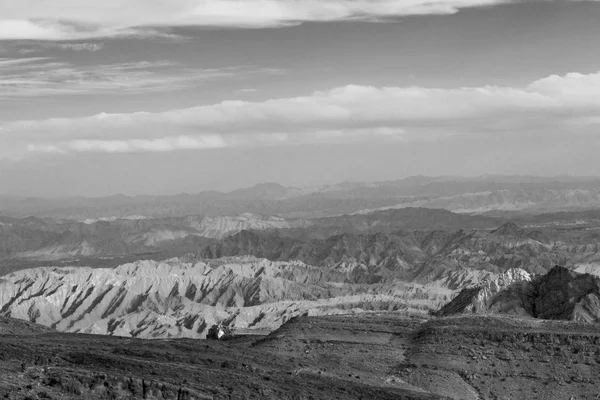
{"x": 311, "y": 187}
{"x": 188, "y": 96}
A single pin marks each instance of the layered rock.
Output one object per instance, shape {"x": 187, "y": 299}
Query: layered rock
{"x": 179, "y": 298}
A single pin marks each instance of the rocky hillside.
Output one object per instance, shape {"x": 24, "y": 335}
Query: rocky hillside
{"x": 492, "y": 295}
{"x": 561, "y": 294}
{"x": 184, "y": 299}
{"x": 258, "y": 280}
{"x": 362, "y": 356}
{"x": 458, "y": 259}
{"x": 74, "y": 366}
{"x": 473, "y": 357}
{"x": 48, "y": 239}
{"x": 12, "y": 326}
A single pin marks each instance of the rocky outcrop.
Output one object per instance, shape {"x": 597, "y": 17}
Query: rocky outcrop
{"x": 219, "y": 332}
{"x": 568, "y": 295}
{"x": 561, "y": 294}
{"x": 491, "y": 295}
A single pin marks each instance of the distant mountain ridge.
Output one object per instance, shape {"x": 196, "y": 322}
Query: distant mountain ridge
{"x": 260, "y": 279}
{"x": 475, "y": 195}
{"x": 48, "y": 239}
{"x": 456, "y": 258}
{"x": 55, "y": 239}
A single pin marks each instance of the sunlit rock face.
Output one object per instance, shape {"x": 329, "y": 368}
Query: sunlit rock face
{"x": 183, "y": 299}
{"x": 485, "y": 297}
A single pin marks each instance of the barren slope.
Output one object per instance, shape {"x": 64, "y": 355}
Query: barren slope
{"x": 183, "y": 299}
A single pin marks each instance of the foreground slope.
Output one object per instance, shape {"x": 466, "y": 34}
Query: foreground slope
{"x": 365, "y": 356}
{"x": 12, "y": 326}
{"x": 75, "y": 366}
{"x": 466, "y": 357}
{"x": 504, "y": 358}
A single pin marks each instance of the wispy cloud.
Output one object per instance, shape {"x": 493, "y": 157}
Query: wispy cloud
{"x": 133, "y": 145}
{"x": 39, "y": 76}
{"x": 44, "y": 20}
{"x": 73, "y": 46}
{"x": 81, "y": 46}
{"x": 553, "y": 104}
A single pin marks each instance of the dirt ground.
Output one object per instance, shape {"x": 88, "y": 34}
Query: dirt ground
{"x": 367, "y": 356}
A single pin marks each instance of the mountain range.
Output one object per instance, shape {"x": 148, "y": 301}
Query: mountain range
{"x": 423, "y": 256}
{"x": 485, "y": 194}
{"x": 258, "y": 280}
{"x": 46, "y": 239}
{"x": 184, "y": 298}
{"x": 107, "y": 266}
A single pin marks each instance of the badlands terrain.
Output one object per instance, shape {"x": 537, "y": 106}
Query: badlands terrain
{"x": 346, "y": 291}
{"x": 256, "y": 281}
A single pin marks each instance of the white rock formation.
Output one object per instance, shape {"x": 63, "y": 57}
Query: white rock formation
{"x": 179, "y": 299}
{"x": 220, "y": 227}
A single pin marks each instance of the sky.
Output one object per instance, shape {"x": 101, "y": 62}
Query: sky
{"x": 171, "y": 96}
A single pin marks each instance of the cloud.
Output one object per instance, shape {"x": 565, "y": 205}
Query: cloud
{"x": 73, "y": 46}
{"x": 42, "y": 76}
{"x": 91, "y": 47}
{"x": 554, "y": 104}
{"x": 81, "y": 19}
{"x": 207, "y": 141}
{"x": 134, "y": 145}
{"x": 573, "y": 88}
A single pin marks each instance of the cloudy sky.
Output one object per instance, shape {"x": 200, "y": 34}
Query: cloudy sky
{"x": 169, "y": 96}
